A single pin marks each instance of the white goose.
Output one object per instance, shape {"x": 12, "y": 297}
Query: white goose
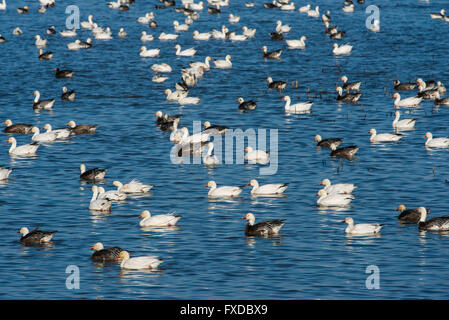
{"x": 98, "y": 204}
{"x": 383, "y": 137}
{"x": 345, "y": 188}
{"x": 134, "y": 186}
{"x": 163, "y": 68}
{"x": 233, "y": 19}
{"x": 104, "y": 35}
{"x": 188, "y": 100}
{"x": 194, "y": 138}
{"x": 361, "y": 228}
{"x": 60, "y": 133}
{"x": 343, "y": 49}
{"x": 201, "y": 36}
{"x": 40, "y": 42}
{"x": 224, "y": 64}
{"x": 176, "y": 95}
{"x": 250, "y": 33}
{"x": 137, "y": 263}
{"x": 237, "y": 37}
{"x": 436, "y": 142}
{"x": 160, "y": 220}
{"x": 267, "y": 189}
{"x": 111, "y": 195}
{"x": 88, "y": 24}
{"x": 208, "y": 158}
{"x": 334, "y": 199}
{"x": 184, "y": 53}
{"x": 68, "y": 33}
{"x": 205, "y": 65}
{"x": 405, "y": 124}
{"x": 224, "y": 191}
{"x": 42, "y": 137}
{"x": 280, "y": 28}
{"x": 146, "y": 37}
{"x": 300, "y": 107}
{"x": 297, "y": 44}
{"x": 148, "y": 53}
{"x": 349, "y": 8}
{"x": 196, "y": 6}
{"x": 407, "y": 102}
{"x": 4, "y": 173}
{"x": 168, "y": 36}
{"x": 147, "y": 18}
{"x": 3, "y": 5}
{"x": 304, "y": 9}
{"x": 258, "y": 156}
{"x": 288, "y": 7}
{"x": 314, "y": 13}
{"x": 26, "y": 149}
{"x": 177, "y": 134}
{"x": 220, "y": 34}
{"x": 180, "y": 27}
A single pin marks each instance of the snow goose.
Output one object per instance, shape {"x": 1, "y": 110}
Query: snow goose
{"x": 163, "y": 67}
{"x": 42, "y": 104}
{"x": 89, "y": 24}
{"x": 438, "y": 15}
{"x": 134, "y": 186}
{"x": 346, "y": 188}
{"x": 275, "y": 54}
{"x": 441, "y": 101}
{"x": 344, "y": 152}
{"x": 68, "y": 95}
{"x": 343, "y": 49}
{"x": 23, "y": 10}
{"x": 92, "y": 174}
{"x": 176, "y": 134}
{"x": 407, "y": 102}
{"x": 223, "y": 64}
{"x": 327, "y": 143}
{"x": 81, "y": 128}
{"x": 220, "y": 34}
{"x": 196, "y": 6}
{"x": 434, "y": 224}
{"x": 51, "y": 30}
{"x": 436, "y": 142}
{"x": 208, "y": 158}
{"x": 297, "y": 44}
{"x": 264, "y": 228}
{"x": 148, "y": 53}
{"x": 233, "y": 19}
{"x": 168, "y": 36}
{"x": 288, "y": 7}
{"x": 314, "y": 13}
{"x": 184, "y": 53}
{"x": 410, "y": 215}
{"x": 194, "y": 138}
{"x": 146, "y": 37}
{"x": 403, "y": 86}
{"x": 441, "y": 88}
{"x": 104, "y": 35}
{"x": 383, "y": 137}
{"x": 237, "y": 37}
{"x": 405, "y": 124}
{"x": 348, "y": 97}
{"x": 158, "y": 78}
{"x": 361, "y": 228}
{"x": 111, "y": 195}
{"x": 68, "y": 33}
{"x": 4, "y": 173}
{"x": 21, "y": 128}
{"x": 280, "y": 28}
{"x": 334, "y": 199}
{"x": 257, "y": 156}
{"x": 153, "y": 24}
{"x": 147, "y": 18}
{"x": 249, "y": 4}
{"x": 304, "y": 9}
{"x": 349, "y": 8}
{"x": 105, "y": 255}
{"x": 350, "y": 85}
{"x": 180, "y": 27}
{"x": 280, "y": 85}
{"x": 205, "y": 65}
{"x": 122, "y": 33}
{"x": 40, "y": 42}
{"x": 17, "y": 31}
{"x": 3, "y": 5}
{"x": 60, "y": 133}
{"x": 160, "y": 220}
{"x": 76, "y": 45}
{"x": 137, "y": 263}
{"x": 212, "y": 10}
{"x": 42, "y": 137}
{"x": 26, "y": 149}
{"x": 201, "y": 36}
{"x": 246, "y": 105}
{"x": 224, "y": 191}
{"x": 214, "y": 129}
{"x": 188, "y": 100}
{"x": 300, "y": 107}
{"x": 267, "y": 189}
{"x": 326, "y": 17}
{"x": 63, "y": 73}
{"x": 176, "y": 95}
{"x": 99, "y": 204}
{"x": 427, "y": 93}
{"x": 35, "y": 236}
{"x": 250, "y": 33}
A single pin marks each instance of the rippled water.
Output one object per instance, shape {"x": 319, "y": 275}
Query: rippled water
{"x": 208, "y": 256}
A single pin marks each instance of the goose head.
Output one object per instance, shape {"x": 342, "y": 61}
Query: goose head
{"x": 97, "y": 247}
{"x": 145, "y": 214}
{"x": 250, "y": 217}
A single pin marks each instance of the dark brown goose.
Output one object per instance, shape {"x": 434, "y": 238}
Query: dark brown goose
{"x": 440, "y": 101}
{"x": 92, "y": 174}
{"x": 434, "y": 224}
{"x": 213, "y": 10}
{"x": 264, "y": 228}
{"x": 42, "y": 104}
{"x": 20, "y": 128}
{"x": 36, "y": 236}
{"x": 275, "y": 54}
{"x": 338, "y": 35}
{"x": 347, "y": 86}
{"x": 403, "y": 86}
{"x": 48, "y": 55}
{"x": 211, "y": 129}
{"x": 327, "y": 143}
{"x": 280, "y": 85}
{"x": 276, "y": 36}
{"x": 344, "y": 152}
{"x": 81, "y": 128}
{"x": 68, "y": 95}
{"x": 105, "y": 255}
{"x": 348, "y": 97}
{"x": 63, "y": 73}
{"x": 409, "y": 215}
{"x": 246, "y": 105}
{"x": 23, "y": 10}
{"x": 51, "y": 30}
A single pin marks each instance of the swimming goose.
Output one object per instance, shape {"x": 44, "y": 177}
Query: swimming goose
{"x": 300, "y": 107}
{"x": 23, "y": 10}
{"x": 344, "y": 152}
{"x": 314, "y": 13}
{"x": 48, "y": 55}
{"x": 280, "y": 28}
{"x": 81, "y": 128}
{"x": 26, "y": 149}
{"x": 257, "y": 156}
{"x": 153, "y": 24}
{"x": 17, "y": 31}
{"x": 211, "y": 129}
{"x": 349, "y": 8}
{"x": 201, "y": 36}
{"x": 405, "y": 124}
{"x": 233, "y": 19}
{"x": 35, "y": 236}
{"x": 327, "y": 143}
{"x": 162, "y": 119}
{"x": 4, "y": 173}
{"x": 60, "y": 133}
{"x": 167, "y": 36}
{"x": 212, "y": 10}
{"x": 350, "y": 85}
{"x": 163, "y": 67}
{"x": 122, "y": 33}
{"x": 99, "y": 204}
{"x": 105, "y": 255}
{"x": 267, "y": 189}
{"x": 220, "y": 34}
{"x": 264, "y": 228}
{"x": 42, "y": 104}
{"x": 92, "y": 174}
{"x": 147, "y": 18}
{"x": 89, "y": 24}
{"x": 137, "y": 263}
{"x": 348, "y": 97}
{"x": 433, "y": 224}
{"x": 343, "y": 49}
{"x": 68, "y": 33}
{"x": 249, "y": 33}
{"x": 441, "y": 88}
{"x": 180, "y": 27}
{"x": 134, "y": 186}
{"x": 63, "y": 73}
{"x": 430, "y": 84}
{"x": 407, "y": 102}
{"x": 148, "y": 53}
{"x": 436, "y": 142}
{"x": 103, "y": 34}
{"x": 146, "y": 37}
{"x": 334, "y": 199}
{"x": 246, "y": 105}
{"x": 3, "y": 5}
{"x": 176, "y": 95}
{"x": 160, "y": 220}
{"x": 205, "y": 65}
{"x": 330, "y": 30}
{"x": 410, "y": 215}
{"x": 51, "y": 30}
{"x": 185, "y": 53}
{"x": 42, "y": 137}
{"x": 297, "y": 44}
{"x": 194, "y": 138}
{"x": 342, "y": 188}
{"x": 429, "y": 94}
{"x": 20, "y": 128}
{"x": 361, "y": 228}
{"x": 403, "y": 86}
{"x": 111, "y": 195}
{"x": 224, "y": 191}
{"x": 40, "y": 42}
{"x": 223, "y": 64}
{"x": 68, "y": 95}
{"x": 383, "y": 137}
{"x": 237, "y": 37}
{"x": 275, "y": 54}
{"x": 249, "y": 4}
{"x": 438, "y": 15}
{"x": 326, "y": 17}
{"x": 288, "y": 7}
{"x": 208, "y": 158}
{"x": 304, "y": 9}
{"x": 280, "y": 85}
{"x": 441, "y": 101}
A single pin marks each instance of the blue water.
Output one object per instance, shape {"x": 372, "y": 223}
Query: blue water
{"x": 208, "y": 256}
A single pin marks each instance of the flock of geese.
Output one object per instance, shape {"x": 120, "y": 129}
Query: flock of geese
{"x": 199, "y": 144}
